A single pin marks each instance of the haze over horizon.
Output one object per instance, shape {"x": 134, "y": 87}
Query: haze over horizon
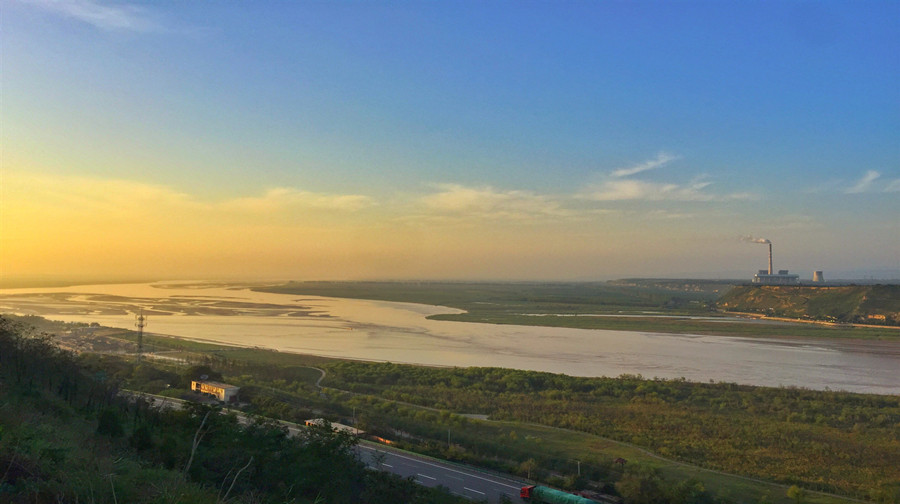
{"x": 463, "y": 140}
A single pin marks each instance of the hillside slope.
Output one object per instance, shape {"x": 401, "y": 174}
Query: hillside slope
{"x": 868, "y": 304}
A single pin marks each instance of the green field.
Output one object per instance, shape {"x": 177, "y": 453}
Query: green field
{"x": 624, "y": 305}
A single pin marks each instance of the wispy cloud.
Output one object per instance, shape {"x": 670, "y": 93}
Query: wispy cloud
{"x": 487, "y": 202}
{"x": 115, "y": 196}
{"x": 619, "y": 186}
{"x": 287, "y": 197}
{"x": 661, "y": 159}
{"x": 105, "y": 16}
{"x": 865, "y": 183}
{"x": 667, "y": 215}
{"x": 623, "y": 190}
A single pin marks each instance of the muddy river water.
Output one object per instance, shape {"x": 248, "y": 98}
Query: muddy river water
{"x": 400, "y": 332}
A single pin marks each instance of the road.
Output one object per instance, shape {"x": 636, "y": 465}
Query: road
{"x": 459, "y": 479}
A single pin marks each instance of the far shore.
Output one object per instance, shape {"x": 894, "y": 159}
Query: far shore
{"x": 761, "y": 316}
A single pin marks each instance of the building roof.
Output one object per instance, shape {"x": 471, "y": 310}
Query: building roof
{"x": 216, "y": 384}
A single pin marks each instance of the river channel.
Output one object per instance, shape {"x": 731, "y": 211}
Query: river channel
{"x": 400, "y": 332}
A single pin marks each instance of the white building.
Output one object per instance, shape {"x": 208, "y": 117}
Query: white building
{"x": 222, "y": 391}
{"x": 763, "y": 277}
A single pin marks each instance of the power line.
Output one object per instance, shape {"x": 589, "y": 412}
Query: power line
{"x": 140, "y": 322}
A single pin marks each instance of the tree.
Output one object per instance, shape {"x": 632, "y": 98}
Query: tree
{"x": 528, "y": 467}
{"x": 109, "y": 423}
{"x": 641, "y": 485}
{"x": 796, "y": 493}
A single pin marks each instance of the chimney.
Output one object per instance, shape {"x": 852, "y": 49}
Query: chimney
{"x": 770, "y": 259}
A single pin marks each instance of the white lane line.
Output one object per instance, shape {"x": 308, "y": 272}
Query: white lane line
{"x": 448, "y": 469}
{"x": 387, "y": 465}
{"x": 425, "y": 476}
{"x": 454, "y": 477}
{"x": 473, "y": 490}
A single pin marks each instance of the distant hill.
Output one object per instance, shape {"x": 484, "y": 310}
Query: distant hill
{"x": 866, "y": 304}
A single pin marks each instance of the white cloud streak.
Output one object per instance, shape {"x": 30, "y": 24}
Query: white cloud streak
{"x": 287, "y": 197}
{"x": 625, "y": 190}
{"x": 114, "y": 196}
{"x": 661, "y": 159}
{"x": 108, "y": 17}
{"x": 486, "y": 202}
{"x": 865, "y": 183}
{"x": 619, "y": 187}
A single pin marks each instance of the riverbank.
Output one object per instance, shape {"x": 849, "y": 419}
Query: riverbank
{"x": 757, "y": 316}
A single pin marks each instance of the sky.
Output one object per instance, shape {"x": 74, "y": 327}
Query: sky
{"x": 463, "y": 140}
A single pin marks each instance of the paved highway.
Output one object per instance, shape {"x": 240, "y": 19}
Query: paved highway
{"x": 461, "y": 480}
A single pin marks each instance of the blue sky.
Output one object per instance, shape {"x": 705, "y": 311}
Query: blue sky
{"x": 507, "y": 140}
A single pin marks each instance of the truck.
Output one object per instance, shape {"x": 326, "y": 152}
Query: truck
{"x": 546, "y": 495}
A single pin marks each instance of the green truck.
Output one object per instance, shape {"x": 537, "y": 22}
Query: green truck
{"x": 545, "y": 495}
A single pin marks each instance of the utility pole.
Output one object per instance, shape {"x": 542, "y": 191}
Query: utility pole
{"x": 140, "y": 322}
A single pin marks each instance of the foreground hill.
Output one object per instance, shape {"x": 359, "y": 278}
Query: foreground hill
{"x": 866, "y": 304}
{"x": 67, "y": 435}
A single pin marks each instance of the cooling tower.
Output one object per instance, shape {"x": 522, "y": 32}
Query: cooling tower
{"x": 818, "y": 276}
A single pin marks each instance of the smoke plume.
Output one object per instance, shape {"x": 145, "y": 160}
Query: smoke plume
{"x": 754, "y": 240}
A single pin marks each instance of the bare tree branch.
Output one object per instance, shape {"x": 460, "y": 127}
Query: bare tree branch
{"x": 197, "y": 438}
{"x": 225, "y": 499}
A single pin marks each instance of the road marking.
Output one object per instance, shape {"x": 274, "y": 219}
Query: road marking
{"x": 447, "y": 469}
{"x": 388, "y": 465}
{"x": 454, "y": 477}
{"x": 425, "y": 476}
{"x": 473, "y": 490}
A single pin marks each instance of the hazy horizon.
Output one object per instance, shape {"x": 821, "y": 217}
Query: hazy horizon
{"x": 465, "y": 141}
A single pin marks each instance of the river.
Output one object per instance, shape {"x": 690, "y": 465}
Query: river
{"x": 400, "y": 332}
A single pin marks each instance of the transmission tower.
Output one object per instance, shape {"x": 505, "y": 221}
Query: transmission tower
{"x": 140, "y": 322}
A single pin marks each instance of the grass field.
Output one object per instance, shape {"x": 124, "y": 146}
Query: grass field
{"x": 578, "y": 446}
{"x": 571, "y": 304}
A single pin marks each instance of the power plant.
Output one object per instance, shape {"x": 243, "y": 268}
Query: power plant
{"x": 769, "y": 277}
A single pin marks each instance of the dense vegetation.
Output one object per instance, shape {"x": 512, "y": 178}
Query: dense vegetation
{"x": 833, "y": 441}
{"x": 827, "y": 441}
{"x": 66, "y": 435}
{"x": 866, "y": 304}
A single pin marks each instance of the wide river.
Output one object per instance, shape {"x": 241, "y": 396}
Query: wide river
{"x": 400, "y": 332}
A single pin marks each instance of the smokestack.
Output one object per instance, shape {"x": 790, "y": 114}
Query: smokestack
{"x": 764, "y": 241}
